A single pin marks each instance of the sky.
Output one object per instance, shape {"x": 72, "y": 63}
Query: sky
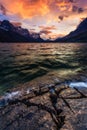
{"x": 49, "y": 18}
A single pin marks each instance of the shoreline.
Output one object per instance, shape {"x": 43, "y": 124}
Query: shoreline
{"x": 47, "y": 108}
{"x": 28, "y": 88}
{"x": 16, "y": 94}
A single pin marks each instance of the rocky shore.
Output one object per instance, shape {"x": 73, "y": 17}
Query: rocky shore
{"x": 50, "y": 107}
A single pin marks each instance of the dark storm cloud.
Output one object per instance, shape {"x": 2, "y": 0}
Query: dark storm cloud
{"x": 80, "y": 10}
{"x": 3, "y": 9}
{"x": 61, "y": 18}
{"x": 72, "y": 1}
{"x": 77, "y": 9}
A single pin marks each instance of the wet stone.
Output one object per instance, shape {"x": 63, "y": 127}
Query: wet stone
{"x": 56, "y": 108}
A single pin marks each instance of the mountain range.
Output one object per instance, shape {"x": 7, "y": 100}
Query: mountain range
{"x": 78, "y": 35}
{"x": 11, "y": 33}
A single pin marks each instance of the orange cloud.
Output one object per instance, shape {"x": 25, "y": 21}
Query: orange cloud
{"x": 52, "y": 27}
{"x": 61, "y": 13}
{"x": 54, "y": 36}
{"x": 16, "y": 24}
{"x": 32, "y": 8}
{"x": 27, "y": 8}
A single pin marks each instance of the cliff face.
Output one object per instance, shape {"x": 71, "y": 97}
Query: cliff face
{"x": 78, "y": 35}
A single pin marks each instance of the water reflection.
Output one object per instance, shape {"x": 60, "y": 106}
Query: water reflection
{"x": 20, "y": 63}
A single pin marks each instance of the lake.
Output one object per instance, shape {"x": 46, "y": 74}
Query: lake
{"x": 22, "y": 63}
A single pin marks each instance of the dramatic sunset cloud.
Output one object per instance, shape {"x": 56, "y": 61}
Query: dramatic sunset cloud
{"x": 64, "y": 14}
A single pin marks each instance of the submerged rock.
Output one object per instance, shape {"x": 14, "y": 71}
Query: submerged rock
{"x": 3, "y": 102}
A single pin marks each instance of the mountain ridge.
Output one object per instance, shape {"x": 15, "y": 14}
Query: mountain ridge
{"x": 78, "y": 35}
{"x": 10, "y": 33}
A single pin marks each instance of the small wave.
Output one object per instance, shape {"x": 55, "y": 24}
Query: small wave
{"x": 4, "y": 100}
{"x": 12, "y": 95}
{"x": 78, "y": 84}
{"x": 8, "y": 97}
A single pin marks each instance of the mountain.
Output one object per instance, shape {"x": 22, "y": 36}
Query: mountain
{"x": 10, "y": 33}
{"x": 78, "y": 35}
